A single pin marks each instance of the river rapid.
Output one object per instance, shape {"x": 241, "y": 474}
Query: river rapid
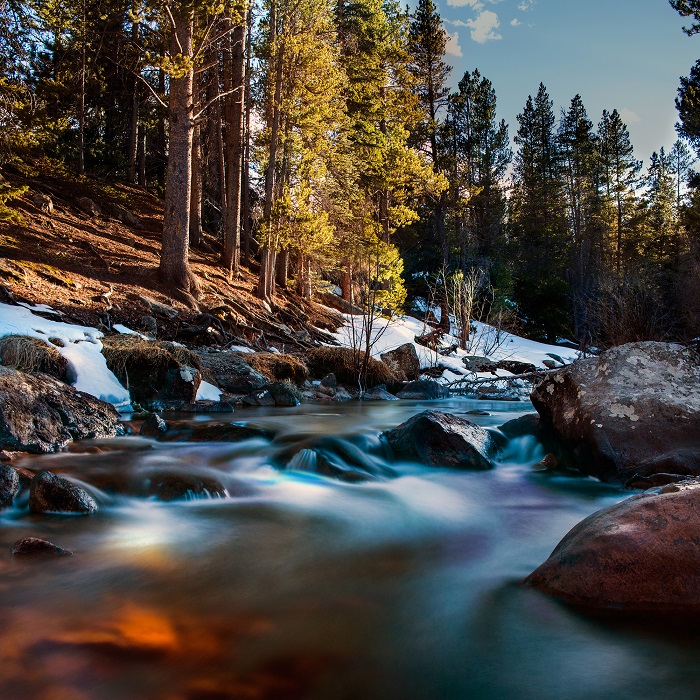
{"x": 301, "y": 586}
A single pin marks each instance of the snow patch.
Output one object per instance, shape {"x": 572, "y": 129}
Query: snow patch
{"x": 82, "y": 348}
{"x": 208, "y": 392}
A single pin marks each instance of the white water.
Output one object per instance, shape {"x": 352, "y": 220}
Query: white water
{"x": 299, "y": 586}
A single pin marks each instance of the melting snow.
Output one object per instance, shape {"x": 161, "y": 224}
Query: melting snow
{"x": 82, "y": 348}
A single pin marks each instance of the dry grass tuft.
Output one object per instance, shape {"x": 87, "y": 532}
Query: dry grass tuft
{"x": 344, "y": 363}
{"x": 126, "y": 353}
{"x": 32, "y": 355}
{"x": 277, "y": 367}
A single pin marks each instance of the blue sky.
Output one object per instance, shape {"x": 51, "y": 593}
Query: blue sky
{"x": 617, "y": 54}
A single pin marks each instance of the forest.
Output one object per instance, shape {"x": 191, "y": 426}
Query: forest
{"x": 321, "y": 144}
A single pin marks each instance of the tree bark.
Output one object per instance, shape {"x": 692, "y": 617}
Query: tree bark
{"x": 245, "y": 181}
{"x": 142, "y": 155}
{"x": 267, "y": 256}
{"x": 132, "y": 156}
{"x": 196, "y": 195}
{"x": 234, "y": 80}
{"x": 174, "y": 264}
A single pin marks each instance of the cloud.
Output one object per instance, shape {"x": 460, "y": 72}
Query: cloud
{"x": 515, "y": 22}
{"x": 453, "y": 48}
{"x": 474, "y": 4}
{"x": 525, "y": 5}
{"x": 629, "y": 117}
{"x": 484, "y": 27}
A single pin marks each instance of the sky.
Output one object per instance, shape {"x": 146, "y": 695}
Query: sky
{"x": 617, "y": 54}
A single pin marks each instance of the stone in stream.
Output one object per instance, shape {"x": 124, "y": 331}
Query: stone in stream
{"x": 154, "y": 427}
{"x": 529, "y": 424}
{"x": 9, "y": 485}
{"x": 231, "y": 373}
{"x": 379, "y": 393}
{"x": 443, "y": 440}
{"x": 424, "y": 390}
{"x": 34, "y": 546}
{"x": 634, "y": 410}
{"x": 173, "y": 486}
{"x": 40, "y": 414}
{"x": 49, "y": 493}
{"x": 641, "y": 555}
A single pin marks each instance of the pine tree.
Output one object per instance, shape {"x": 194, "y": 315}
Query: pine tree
{"x": 620, "y": 172}
{"x": 538, "y": 221}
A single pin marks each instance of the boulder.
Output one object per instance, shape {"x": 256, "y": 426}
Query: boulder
{"x": 639, "y": 555}
{"x": 9, "y": 485}
{"x": 40, "y": 414}
{"x": 182, "y": 384}
{"x": 328, "y": 385}
{"x": 341, "y": 395}
{"x": 122, "y": 214}
{"x": 231, "y": 373}
{"x": 477, "y": 363}
{"x": 49, "y": 493}
{"x": 442, "y": 440}
{"x": 86, "y": 205}
{"x": 634, "y": 410}
{"x": 33, "y": 546}
{"x": 284, "y": 394}
{"x": 424, "y": 390}
{"x": 403, "y": 360}
{"x": 529, "y": 424}
{"x": 159, "y": 308}
{"x": 44, "y": 202}
{"x": 379, "y": 393}
{"x": 262, "y": 397}
{"x": 153, "y": 427}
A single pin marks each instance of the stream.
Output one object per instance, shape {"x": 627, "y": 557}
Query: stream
{"x": 301, "y": 586}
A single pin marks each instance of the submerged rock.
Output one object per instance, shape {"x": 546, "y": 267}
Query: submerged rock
{"x": 635, "y": 409}
{"x": 49, "y": 493}
{"x": 639, "y": 555}
{"x": 379, "y": 393}
{"x": 40, "y": 414}
{"x": 154, "y": 427}
{"x": 443, "y": 440}
{"x": 173, "y": 486}
{"x": 529, "y": 424}
{"x": 34, "y": 546}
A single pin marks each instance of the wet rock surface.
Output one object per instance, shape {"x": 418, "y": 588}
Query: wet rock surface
{"x": 424, "y": 390}
{"x": 231, "y": 373}
{"x": 443, "y": 440}
{"x": 49, "y": 493}
{"x": 34, "y": 546}
{"x": 9, "y": 485}
{"x": 634, "y": 410}
{"x": 40, "y": 414}
{"x": 639, "y": 555}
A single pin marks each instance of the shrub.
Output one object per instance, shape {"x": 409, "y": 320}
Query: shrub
{"x": 32, "y": 355}
{"x": 277, "y": 367}
{"x": 345, "y": 363}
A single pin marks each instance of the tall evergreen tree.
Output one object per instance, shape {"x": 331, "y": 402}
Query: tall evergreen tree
{"x": 620, "y": 171}
{"x": 538, "y": 221}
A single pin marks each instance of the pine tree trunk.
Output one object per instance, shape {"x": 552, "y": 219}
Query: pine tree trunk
{"x": 81, "y": 106}
{"x": 196, "y": 196}
{"x": 142, "y": 155}
{"x": 174, "y": 265}
{"x": 266, "y": 278}
{"x": 283, "y": 268}
{"x": 245, "y": 180}
{"x": 346, "y": 283}
{"x": 160, "y": 149}
{"x": 234, "y": 80}
{"x": 132, "y": 155}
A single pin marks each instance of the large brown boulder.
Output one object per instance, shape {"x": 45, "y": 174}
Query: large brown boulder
{"x": 442, "y": 440}
{"x": 640, "y": 555}
{"x": 49, "y": 493}
{"x": 634, "y": 410}
{"x": 40, "y": 414}
{"x": 403, "y": 361}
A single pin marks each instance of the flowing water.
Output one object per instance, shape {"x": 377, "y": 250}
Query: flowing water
{"x": 301, "y": 586}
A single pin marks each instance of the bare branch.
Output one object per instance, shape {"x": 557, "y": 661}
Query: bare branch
{"x": 214, "y": 99}
{"x": 174, "y": 26}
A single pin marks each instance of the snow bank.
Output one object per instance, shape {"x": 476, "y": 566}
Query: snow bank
{"x": 487, "y": 341}
{"x": 81, "y": 347}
